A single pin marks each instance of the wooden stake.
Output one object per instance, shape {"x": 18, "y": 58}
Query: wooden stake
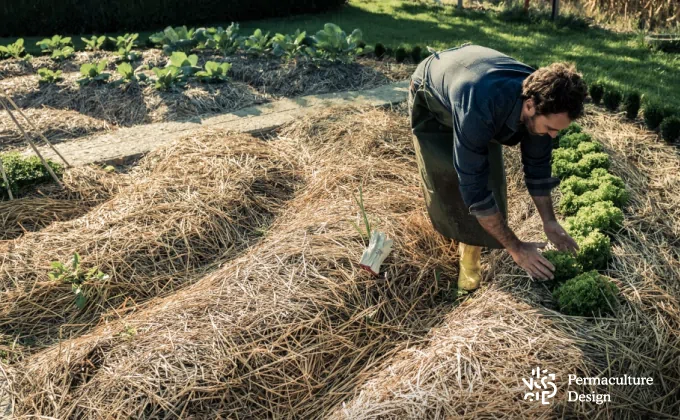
{"x": 4, "y": 177}
{"x": 36, "y": 130}
{"x": 35, "y": 149}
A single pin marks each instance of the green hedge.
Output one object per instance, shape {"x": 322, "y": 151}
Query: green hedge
{"x": 47, "y": 17}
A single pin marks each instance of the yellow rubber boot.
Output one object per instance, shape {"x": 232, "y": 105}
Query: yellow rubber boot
{"x": 470, "y": 273}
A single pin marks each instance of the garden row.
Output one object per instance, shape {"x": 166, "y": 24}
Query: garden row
{"x": 656, "y": 115}
{"x": 592, "y": 199}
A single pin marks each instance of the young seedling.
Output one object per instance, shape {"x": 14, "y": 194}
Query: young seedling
{"x": 335, "y": 45}
{"x": 49, "y": 76}
{"x": 63, "y": 53}
{"x": 128, "y": 75}
{"x": 214, "y": 72}
{"x": 95, "y": 43}
{"x": 57, "y": 42}
{"x": 71, "y": 273}
{"x": 175, "y": 39}
{"x": 225, "y": 41}
{"x": 123, "y": 41}
{"x": 289, "y": 46}
{"x": 168, "y": 77}
{"x": 14, "y": 50}
{"x": 92, "y": 73}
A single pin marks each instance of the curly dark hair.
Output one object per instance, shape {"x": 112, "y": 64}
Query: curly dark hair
{"x": 555, "y": 89}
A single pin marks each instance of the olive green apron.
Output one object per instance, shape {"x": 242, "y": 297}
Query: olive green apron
{"x": 433, "y": 142}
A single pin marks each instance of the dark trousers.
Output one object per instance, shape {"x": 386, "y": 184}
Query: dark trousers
{"x": 433, "y": 141}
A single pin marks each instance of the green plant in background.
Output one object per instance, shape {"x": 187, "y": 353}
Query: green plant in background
{"x": 49, "y": 76}
{"x": 400, "y": 54}
{"x": 57, "y": 42}
{"x": 289, "y": 46}
{"x": 175, "y": 39}
{"x": 587, "y": 294}
{"x": 653, "y": 113}
{"x": 92, "y": 72}
{"x": 168, "y": 77}
{"x": 123, "y": 41}
{"x": 186, "y": 64}
{"x": 24, "y": 172}
{"x": 670, "y": 129}
{"x": 125, "y": 53}
{"x": 566, "y": 264}
{"x": 214, "y": 72}
{"x": 594, "y": 250}
{"x": 225, "y": 41}
{"x": 416, "y": 54}
{"x": 95, "y": 43}
{"x": 336, "y": 45}
{"x": 72, "y": 273}
{"x": 258, "y": 43}
{"x": 631, "y": 103}
{"x": 379, "y": 50}
{"x": 602, "y": 215}
{"x": 596, "y": 91}
{"x": 612, "y": 99}
{"x": 14, "y": 50}
{"x": 63, "y": 53}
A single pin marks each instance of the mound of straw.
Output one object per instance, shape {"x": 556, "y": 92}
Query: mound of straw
{"x": 201, "y": 200}
{"x": 473, "y": 365}
{"x": 285, "y": 329}
{"x": 55, "y": 124}
{"x": 129, "y": 104}
{"x": 84, "y": 187}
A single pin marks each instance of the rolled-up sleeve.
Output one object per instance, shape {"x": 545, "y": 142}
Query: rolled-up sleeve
{"x": 472, "y": 131}
{"x": 536, "y": 155}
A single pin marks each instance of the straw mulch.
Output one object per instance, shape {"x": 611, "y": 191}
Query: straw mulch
{"x": 55, "y": 124}
{"x": 286, "y": 329}
{"x": 199, "y": 201}
{"x": 293, "y": 327}
{"x": 473, "y": 365}
{"x": 131, "y": 104}
{"x": 84, "y": 187}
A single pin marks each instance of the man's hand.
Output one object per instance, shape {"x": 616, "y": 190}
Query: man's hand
{"x": 558, "y": 236}
{"x": 527, "y": 256}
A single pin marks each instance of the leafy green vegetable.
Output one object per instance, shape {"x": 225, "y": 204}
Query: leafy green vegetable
{"x": 63, "y": 53}
{"x": 566, "y": 265}
{"x": 571, "y": 203}
{"x": 95, "y": 43}
{"x": 587, "y": 294}
{"x": 175, "y": 39}
{"x": 214, "y": 72}
{"x": 187, "y": 65}
{"x": 226, "y": 41}
{"x": 168, "y": 77}
{"x": 123, "y": 41}
{"x": 574, "y": 138}
{"x": 586, "y": 147}
{"x": 594, "y": 250}
{"x": 15, "y": 50}
{"x": 335, "y": 45}
{"x": 569, "y": 161}
{"x": 93, "y": 73}
{"x": 602, "y": 215}
{"x": 57, "y": 42}
{"x": 289, "y": 46}
{"x": 258, "y": 43}
{"x": 49, "y": 76}
{"x": 23, "y": 172}
{"x": 128, "y": 73}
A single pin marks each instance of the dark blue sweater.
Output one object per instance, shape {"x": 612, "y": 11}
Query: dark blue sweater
{"x": 481, "y": 88}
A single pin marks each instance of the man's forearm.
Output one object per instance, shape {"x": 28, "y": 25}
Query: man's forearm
{"x": 499, "y": 229}
{"x": 544, "y": 206}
